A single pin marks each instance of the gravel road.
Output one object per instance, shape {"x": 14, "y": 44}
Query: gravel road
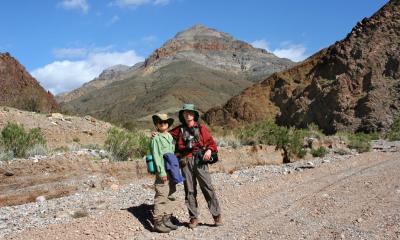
{"x": 338, "y": 197}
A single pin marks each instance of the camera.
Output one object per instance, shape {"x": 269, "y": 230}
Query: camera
{"x": 189, "y": 142}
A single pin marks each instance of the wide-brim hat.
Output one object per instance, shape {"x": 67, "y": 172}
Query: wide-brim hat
{"x": 162, "y": 117}
{"x": 188, "y": 107}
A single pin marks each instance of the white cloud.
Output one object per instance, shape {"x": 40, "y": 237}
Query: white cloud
{"x": 62, "y": 53}
{"x": 294, "y": 52}
{"x": 136, "y": 3}
{"x": 75, "y": 4}
{"x": 260, "y": 44}
{"x": 113, "y": 20}
{"x": 66, "y": 75}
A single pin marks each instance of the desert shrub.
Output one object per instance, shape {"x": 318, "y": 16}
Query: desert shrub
{"x": 319, "y": 152}
{"x": 313, "y": 130}
{"x": 261, "y": 132}
{"x": 228, "y": 141}
{"x": 393, "y": 133}
{"x": 359, "y": 141}
{"x": 290, "y": 140}
{"x": 38, "y": 149}
{"x": 5, "y": 155}
{"x": 14, "y": 138}
{"x": 124, "y": 145}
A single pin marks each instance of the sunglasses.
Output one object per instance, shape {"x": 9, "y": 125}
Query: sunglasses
{"x": 163, "y": 122}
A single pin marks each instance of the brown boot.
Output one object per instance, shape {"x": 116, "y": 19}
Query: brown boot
{"x": 160, "y": 227}
{"x": 193, "y": 223}
{"x": 218, "y": 220}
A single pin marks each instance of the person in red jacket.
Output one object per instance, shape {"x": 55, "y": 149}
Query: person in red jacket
{"x": 194, "y": 145}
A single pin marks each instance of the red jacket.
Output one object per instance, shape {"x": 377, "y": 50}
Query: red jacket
{"x": 206, "y": 141}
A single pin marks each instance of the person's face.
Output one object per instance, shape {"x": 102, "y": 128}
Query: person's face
{"x": 188, "y": 116}
{"x": 162, "y": 126}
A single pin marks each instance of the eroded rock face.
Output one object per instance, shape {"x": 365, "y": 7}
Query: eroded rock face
{"x": 352, "y": 85}
{"x": 19, "y": 89}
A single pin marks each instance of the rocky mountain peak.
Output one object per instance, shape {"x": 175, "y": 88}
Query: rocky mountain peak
{"x": 216, "y": 50}
{"x": 200, "y": 31}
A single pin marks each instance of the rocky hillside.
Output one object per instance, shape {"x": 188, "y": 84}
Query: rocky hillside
{"x": 352, "y": 85}
{"x": 197, "y": 64}
{"x": 19, "y": 89}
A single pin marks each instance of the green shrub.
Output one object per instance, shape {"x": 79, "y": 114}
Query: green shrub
{"x": 319, "y": 152}
{"x": 290, "y": 140}
{"x": 394, "y": 131}
{"x": 124, "y": 145}
{"x": 14, "y": 138}
{"x": 359, "y": 141}
{"x": 261, "y": 132}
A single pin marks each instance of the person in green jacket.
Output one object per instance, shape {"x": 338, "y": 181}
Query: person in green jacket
{"x": 164, "y": 186}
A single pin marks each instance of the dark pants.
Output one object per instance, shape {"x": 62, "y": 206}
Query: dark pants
{"x": 194, "y": 173}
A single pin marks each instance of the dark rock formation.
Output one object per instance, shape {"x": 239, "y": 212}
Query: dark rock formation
{"x": 352, "y": 85}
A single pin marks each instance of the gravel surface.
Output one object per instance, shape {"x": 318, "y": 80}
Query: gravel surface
{"x": 355, "y": 196}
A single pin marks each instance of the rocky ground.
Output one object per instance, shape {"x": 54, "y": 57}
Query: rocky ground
{"x": 355, "y": 196}
{"x": 60, "y": 130}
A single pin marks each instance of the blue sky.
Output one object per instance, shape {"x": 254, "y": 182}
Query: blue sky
{"x": 64, "y": 43}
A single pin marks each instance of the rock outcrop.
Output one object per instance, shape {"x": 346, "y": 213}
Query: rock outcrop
{"x": 353, "y": 85}
{"x": 20, "y": 90}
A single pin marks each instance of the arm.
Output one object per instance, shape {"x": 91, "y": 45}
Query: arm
{"x": 175, "y": 132}
{"x": 208, "y": 141}
{"x": 158, "y": 158}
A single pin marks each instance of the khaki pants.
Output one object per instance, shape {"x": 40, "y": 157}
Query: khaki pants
{"x": 194, "y": 173}
{"x": 164, "y": 201}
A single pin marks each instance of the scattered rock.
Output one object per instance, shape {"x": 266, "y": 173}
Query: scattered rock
{"x": 8, "y": 174}
{"x": 41, "y": 199}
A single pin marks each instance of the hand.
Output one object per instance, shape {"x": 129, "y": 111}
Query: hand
{"x": 164, "y": 179}
{"x": 153, "y": 134}
{"x": 207, "y": 155}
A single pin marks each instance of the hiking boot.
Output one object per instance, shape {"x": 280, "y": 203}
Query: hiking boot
{"x": 218, "y": 220}
{"x": 160, "y": 227}
{"x": 193, "y": 223}
{"x": 168, "y": 223}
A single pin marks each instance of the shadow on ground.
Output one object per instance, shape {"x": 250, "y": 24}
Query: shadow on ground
{"x": 144, "y": 213}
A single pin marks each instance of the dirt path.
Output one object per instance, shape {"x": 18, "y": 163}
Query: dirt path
{"x": 358, "y": 198}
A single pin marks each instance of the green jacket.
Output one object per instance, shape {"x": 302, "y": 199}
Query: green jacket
{"x": 160, "y": 144}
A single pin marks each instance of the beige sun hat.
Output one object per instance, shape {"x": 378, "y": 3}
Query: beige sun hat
{"x": 162, "y": 117}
